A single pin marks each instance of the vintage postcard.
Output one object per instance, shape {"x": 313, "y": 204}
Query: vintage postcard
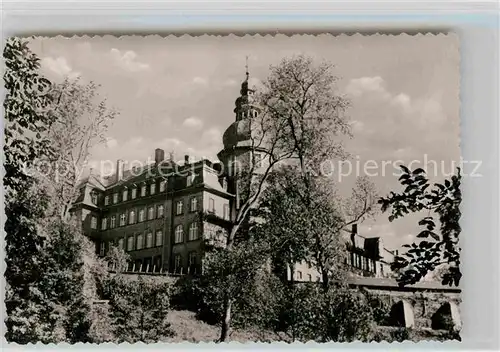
{"x": 223, "y": 188}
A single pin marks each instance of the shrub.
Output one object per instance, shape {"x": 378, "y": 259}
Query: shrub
{"x": 139, "y": 308}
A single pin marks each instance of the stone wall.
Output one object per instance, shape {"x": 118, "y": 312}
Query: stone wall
{"x": 420, "y": 309}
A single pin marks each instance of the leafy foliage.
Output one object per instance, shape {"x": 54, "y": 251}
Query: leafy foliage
{"x": 338, "y": 314}
{"x": 52, "y": 272}
{"x": 25, "y": 122}
{"x": 440, "y": 243}
{"x": 303, "y": 220}
{"x": 117, "y": 259}
{"x": 139, "y": 309}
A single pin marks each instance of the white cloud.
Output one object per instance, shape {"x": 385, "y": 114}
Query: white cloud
{"x": 193, "y": 122}
{"x": 402, "y": 100}
{"x": 170, "y": 143}
{"x": 200, "y": 81}
{"x": 212, "y": 136}
{"x": 230, "y": 82}
{"x": 111, "y": 142}
{"x": 254, "y": 83}
{"x": 127, "y": 60}
{"x": 357, "y": 126}
{"x": 134, "y": 141}
{"x": 59, "y": 66}
{"x": 358, "y": 86}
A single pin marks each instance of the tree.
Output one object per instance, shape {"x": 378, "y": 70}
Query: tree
{"x": 82, "y": 119}
{"x": 26, "y": 123}
{"x": 440, "y": 245}
{"x": 139, "y": 309}
{"x": 45, "y": 250}
{"x": 117, "y": 259}
{"x": 305, "y": 221}
{"x": 301, "y": 115}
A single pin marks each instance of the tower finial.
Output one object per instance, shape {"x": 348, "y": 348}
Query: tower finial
{"x": 246, "y": 67}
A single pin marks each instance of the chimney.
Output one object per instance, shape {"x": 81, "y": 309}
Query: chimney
{"x": 186, "y": 159}
{"x": 159, "y": 155}
{"x": 119, "y": 170}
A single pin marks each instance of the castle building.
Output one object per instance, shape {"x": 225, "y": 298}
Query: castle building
{"x": 164, "y": 214}
{"x": 365, "y": 257}
{"x": 159, "y": 214}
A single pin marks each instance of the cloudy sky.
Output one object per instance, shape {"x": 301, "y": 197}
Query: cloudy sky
{"x": 178, "y": 94}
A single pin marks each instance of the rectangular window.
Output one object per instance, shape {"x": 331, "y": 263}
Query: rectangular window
{"x": 149, "y": 240}
{"x": 211, "y": 205}
{"x": 226, "y": 211}
{"x": 177, "y": 263}
{"x": 163, "y": 183}
{"x": 299, "y": 275}
{"x": 151, "y": 213}
{"x": 160, "y": 211}
{"x": 159, "y": 238}
{"x": 130, "y": 243}
{"x": 93, "y": 196}
{"x": 131, "y": 217}
{"x": 179, "y": 207}
{"x": 152, "y": 188}
{"x": 104, "y": 223}
{"x": 143, "y": 191}
{"x": 124, "y": 195}
{"x": 179, "y": 234}
{"x": 193, "y": 231}
{"x": 113, "y": 221}
{"x": 93, "y": 223}
{"x": 134, "y": 193}
{"x": 140, "y": 242}
{"x": 141, "y": 215}
{"x": 123, "y": 219}
{"x": 193, "y": 204}
{"x": 115, "y": 198}
{"x": 120, "y": 243}
{"x": 192, "y": 261}
{"x": 106, "y": 200}
{"x": 102, "y": 249}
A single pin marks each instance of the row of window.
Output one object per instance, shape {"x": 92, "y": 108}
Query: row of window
{"x": 178, "y": 262}
{"x": 299, "y": 276}
{"x": 193, "y": 233}
{"x": 361, "y": 262}
{"x": 132, "y": 218}
{"x": 133, "y": 195}
{"x": 160, "y": 210}
{"x": 136, "y": 242}
{"x": 179, "y": 206}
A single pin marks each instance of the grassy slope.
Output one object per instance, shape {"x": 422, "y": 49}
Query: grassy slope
{"x": 188, "y": 328}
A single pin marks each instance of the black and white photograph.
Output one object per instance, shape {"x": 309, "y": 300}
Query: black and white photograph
{"x": 219, "y": 188}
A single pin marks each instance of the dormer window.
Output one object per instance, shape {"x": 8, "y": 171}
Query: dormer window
{"x": 106, "y": 200}
{"x": 125, "y": 195}
{"x": 163, "y": 183}
{"x": 143, "y": 191}
{"x": 115, "y": 198}
{"x": 152, "y": 188}
{"x": 134, "y": 193}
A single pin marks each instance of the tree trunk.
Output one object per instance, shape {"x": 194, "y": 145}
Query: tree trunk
{"x": 326, "y": 280}
{"x": 226, "y": 322}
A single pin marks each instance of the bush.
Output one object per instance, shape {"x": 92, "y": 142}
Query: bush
{"x": 139, "y": 309}
{"x": 338, "y": 315}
